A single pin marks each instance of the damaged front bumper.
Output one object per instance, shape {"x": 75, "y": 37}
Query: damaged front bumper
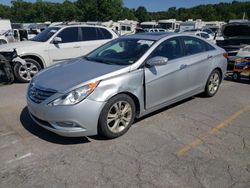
{"x": 7, "y": 62}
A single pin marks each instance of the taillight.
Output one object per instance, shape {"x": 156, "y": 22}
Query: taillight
{"x": 225, "y": 55}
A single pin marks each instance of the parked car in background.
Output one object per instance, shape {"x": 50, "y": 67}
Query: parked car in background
{"x": 155, "y": 30}
{"x": 202, "y": 34}
{"x": 6, "y": 37}
{"x": 124, "y": 79}
{"x": 244, "y": 52}
{"x": 236, "y": 36}
{"x": 55, "y": 44}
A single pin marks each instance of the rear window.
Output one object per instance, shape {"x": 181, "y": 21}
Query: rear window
{"x": 103, "y": 33}
{"x": 95, "y": 33}
{"x": 195, "y": 46}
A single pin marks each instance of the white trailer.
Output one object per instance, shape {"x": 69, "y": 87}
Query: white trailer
{"x": 170, "y": 25}
{"x": 6, "y": 35}
{"x": 148, "y": 25}
{"x": 127, "y": 27}
{"x": 190, "y": 24}
{"x": 5, "y": 25}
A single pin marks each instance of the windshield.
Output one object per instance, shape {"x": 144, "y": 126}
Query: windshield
{"x": 46, "y": 34}
{"x": 123, "y": 51}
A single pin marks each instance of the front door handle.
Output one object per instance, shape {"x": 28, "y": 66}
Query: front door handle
{"x": 183, "y": 66}
{"x": 76, "y": 47}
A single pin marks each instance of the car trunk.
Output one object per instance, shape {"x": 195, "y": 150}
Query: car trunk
{"x": 236, "y": 36}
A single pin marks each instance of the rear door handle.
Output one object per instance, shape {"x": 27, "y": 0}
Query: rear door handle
{"x": 76, "y": 47}
{"x": 183, "y": 66}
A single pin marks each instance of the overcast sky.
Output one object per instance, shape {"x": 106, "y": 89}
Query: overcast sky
{"x": 152, "y": 5}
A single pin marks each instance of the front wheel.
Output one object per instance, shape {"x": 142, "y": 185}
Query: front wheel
{"x": 116, "y": 116}
{"x": 213, "y": 83}
{"x": 24, "y": 73}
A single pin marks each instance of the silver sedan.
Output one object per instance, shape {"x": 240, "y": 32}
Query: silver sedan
{"x": 127, "y": 78}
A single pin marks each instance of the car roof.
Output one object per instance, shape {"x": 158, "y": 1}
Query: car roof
{"x": 78, "y": 25}
{"x": 150, "y": 35}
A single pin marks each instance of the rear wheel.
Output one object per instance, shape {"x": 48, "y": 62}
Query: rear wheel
{"x": 236, "y": 76}
{"x": 24, "y": 73}
{"x": 213, "y": 83}
{"x": 117, "y": 116}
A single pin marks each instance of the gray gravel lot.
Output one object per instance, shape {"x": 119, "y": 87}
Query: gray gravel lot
{"x": 200, "y": 142}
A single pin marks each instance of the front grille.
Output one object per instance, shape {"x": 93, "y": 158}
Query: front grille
{"x": 38, "y": 95}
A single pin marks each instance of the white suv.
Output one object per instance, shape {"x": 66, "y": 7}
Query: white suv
{"x": 54, "y": 44}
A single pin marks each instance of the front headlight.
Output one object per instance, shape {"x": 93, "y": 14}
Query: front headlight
{"x": 75, "y": 96}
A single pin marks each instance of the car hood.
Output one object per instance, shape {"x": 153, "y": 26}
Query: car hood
{"x": 236, "y": 30}
{"x": 19, "y": 46}
{"x": 69, "y": 75}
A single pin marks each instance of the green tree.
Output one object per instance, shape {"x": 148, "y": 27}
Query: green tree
{"x": 142, "y": 14}
{"x": 104, "y": 10}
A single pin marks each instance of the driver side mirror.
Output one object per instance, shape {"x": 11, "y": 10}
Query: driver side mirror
{"x": 158, "y": 60}
{"x": 57, "y": 40}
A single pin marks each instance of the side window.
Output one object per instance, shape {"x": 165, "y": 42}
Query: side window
{"x": 69, "y": 35}
{"x": 123, "y": 28}
{"x": 95, "y": 33}
{"x": 194, "y": 45}
{"x": 103, "y": 33}
{"x": 209, "y": 47}
{"x": 89, "y": 33}
{"x": 170, "y": 48}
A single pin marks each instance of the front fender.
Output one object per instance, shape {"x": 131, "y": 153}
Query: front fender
{"x": 131, "y": 82}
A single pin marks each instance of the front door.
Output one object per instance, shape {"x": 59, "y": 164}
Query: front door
{"x": 165, "y": 83}
{"x": 69, "y": 47}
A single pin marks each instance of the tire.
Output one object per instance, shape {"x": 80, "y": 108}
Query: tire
{"x": 24, "y": 73}
{"x": 213, "y": 83}
{"x": 113, "y": 120}
{"x": 236, "y": 76}
{"x": 3, "y": 41}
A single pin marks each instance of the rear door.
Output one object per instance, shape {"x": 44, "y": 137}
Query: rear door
{"x": 199, "y": 56}
{"x": 166, "y": 82}
{"x": 69, "y": 47}
{"x": 92, "y": 38}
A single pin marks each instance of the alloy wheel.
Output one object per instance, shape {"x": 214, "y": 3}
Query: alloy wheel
{"x": 27, "y": 71}
{"x": 119, "y": 116}
{"x": 214, "y": 82}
